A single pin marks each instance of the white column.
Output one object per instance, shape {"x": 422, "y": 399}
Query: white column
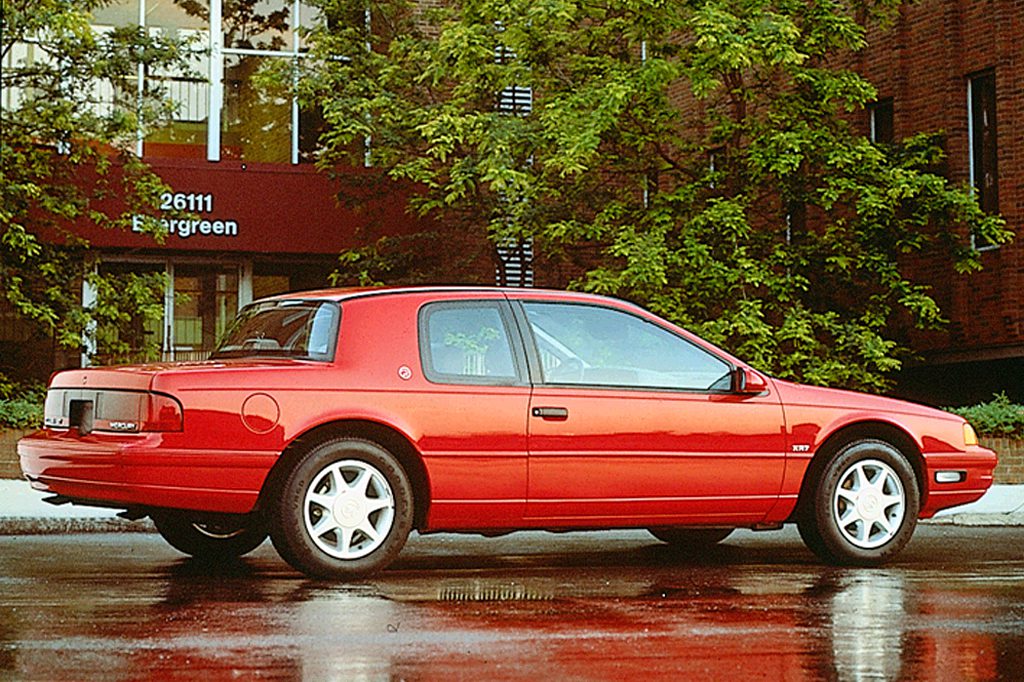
{"x": 141, "y": 84}
{"x": 368, "y": 141}
{"x": 216, "y": 81}
{"x": 88, "y": 300}
{"x": 245, "y": 283}
{"x": 168, "y": 350}
{"x": 295, "y": 81}
{"x": 647, "y": 180}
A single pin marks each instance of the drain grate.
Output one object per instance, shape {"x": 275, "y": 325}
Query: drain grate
{"x": 484, "y": 592}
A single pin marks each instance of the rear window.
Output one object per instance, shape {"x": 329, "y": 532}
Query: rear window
{"x": 466, "y": 342}
{"x": 307, "y": 330}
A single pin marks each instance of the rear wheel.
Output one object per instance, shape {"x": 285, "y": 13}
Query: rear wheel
{"x": 344, "y": 510}
{"x": 690, "y": 538}
{"x": 219, "y": 540}
{"x": 863, "y": 509}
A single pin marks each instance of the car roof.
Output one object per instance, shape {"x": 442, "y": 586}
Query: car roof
{"x": 346, "y": 293}
{"x": 341, "y": 294}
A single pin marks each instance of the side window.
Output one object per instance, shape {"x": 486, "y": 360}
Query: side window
{"x": 466, "y": 343}
{"x": 594, "y": 346}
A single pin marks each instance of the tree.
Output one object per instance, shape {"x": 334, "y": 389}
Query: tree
{"x": 244, "y": 24}
{"x": 71, "y": 114}
{"x": 704, "y": 149}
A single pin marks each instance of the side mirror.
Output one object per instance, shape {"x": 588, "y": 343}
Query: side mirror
{"x": 748, "y": 382}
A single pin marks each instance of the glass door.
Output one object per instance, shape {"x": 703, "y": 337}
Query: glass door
{"x": 205, "y": 303}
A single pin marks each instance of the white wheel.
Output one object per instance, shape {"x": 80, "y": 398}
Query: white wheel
{"x": 862, "y": 508}
{"x": 349, "y": 509}
{"x": 869, "y": 504}
{"x": 344, "y": 510}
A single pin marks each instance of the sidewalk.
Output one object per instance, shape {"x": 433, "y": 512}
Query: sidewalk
{"x": 22, "y": 511}
{"x": 1002, "y": 505}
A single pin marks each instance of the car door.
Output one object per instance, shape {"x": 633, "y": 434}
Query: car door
{"x": 474, "y": 413}
{"x": 632, "y": 423}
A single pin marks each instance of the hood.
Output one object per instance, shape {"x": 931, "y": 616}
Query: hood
{"x": 818, "y": 396}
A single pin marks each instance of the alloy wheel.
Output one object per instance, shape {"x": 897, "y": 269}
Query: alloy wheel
{"x": 869, "y": 504}
{"x": 349, "y": 509}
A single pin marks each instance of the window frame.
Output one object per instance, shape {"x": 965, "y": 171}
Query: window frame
{"x": 512, "y": 332}
{"x": 886, "y": 106}
{"x": 537, "y": 371}
{"x": 976, "y": 148}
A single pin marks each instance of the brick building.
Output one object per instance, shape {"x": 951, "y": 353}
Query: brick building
{"x": 957, "y": 66}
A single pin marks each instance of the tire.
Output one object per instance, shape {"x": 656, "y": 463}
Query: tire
{"x": 809, "y": 534}
{"x": 344, "y": 510}
{"x": 863, "y": 509}
{"x": 690, "y": 538}
{"x": 212, "y": 541}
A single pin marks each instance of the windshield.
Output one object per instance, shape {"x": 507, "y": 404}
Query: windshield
{"x": 306, "y": 330}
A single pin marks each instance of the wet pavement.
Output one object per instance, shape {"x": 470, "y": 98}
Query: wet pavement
{"x": 610, "y": 605}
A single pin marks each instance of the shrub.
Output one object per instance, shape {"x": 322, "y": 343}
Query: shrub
{"x": 21, "y": 406}
{"x": 998, "y": 417}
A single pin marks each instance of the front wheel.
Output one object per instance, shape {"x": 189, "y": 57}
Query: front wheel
{"x": 210, "y": 540}
{"x": 863, "y": 509}
{"x": 343, "y": 511}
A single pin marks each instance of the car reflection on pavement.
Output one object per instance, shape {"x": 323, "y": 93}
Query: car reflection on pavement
{"x": 540, "y": 611}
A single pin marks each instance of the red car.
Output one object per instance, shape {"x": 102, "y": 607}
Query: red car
{"x": 338, "y": 421}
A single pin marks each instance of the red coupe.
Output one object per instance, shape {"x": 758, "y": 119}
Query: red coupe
{"x": 338, "y": 421}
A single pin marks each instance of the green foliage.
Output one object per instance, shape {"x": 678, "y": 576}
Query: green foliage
{"x": 21, "y": 406}
{"x": 997, "y": 418}
{"x": 704, "y": 150}
{"x": 127, "y": 312}
{"x": 71, "y": 116}
{"x": 392, "y": 259}
{"x": 18, "y": 413}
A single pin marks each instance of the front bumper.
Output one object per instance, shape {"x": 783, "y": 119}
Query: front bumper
{"x": 976, "y": 464}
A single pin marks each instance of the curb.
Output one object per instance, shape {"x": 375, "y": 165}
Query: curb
{"x": 24, "y": 512}
{"x": 969, "y": 519}
{"x": 68, "y": 526}
{"x": 72, "y": 526}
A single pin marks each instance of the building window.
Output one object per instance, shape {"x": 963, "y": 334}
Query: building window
{"x": 513, "y": 100}
{"x": 515, "y": 264}
{"x": 218, "y": 111}
{"x": 981, "y": 125}
{"x": 881, "y": 120}
{"x": 516, "y": 100}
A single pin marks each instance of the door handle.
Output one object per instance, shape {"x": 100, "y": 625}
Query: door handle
{"x": 557, "y": 413}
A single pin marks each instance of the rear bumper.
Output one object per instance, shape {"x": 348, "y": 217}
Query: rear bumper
{"x": 977, "y": 465}
{"x": 140, "y": 470}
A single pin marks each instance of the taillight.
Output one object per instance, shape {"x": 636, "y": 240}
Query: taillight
{"x": 164, "y": 414}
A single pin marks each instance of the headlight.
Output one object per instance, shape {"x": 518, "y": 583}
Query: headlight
{"x": 970, "y": 437}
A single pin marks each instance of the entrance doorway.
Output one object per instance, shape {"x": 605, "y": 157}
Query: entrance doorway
{"x": 205, "y": 301}
{"x": 201, "y": 297}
